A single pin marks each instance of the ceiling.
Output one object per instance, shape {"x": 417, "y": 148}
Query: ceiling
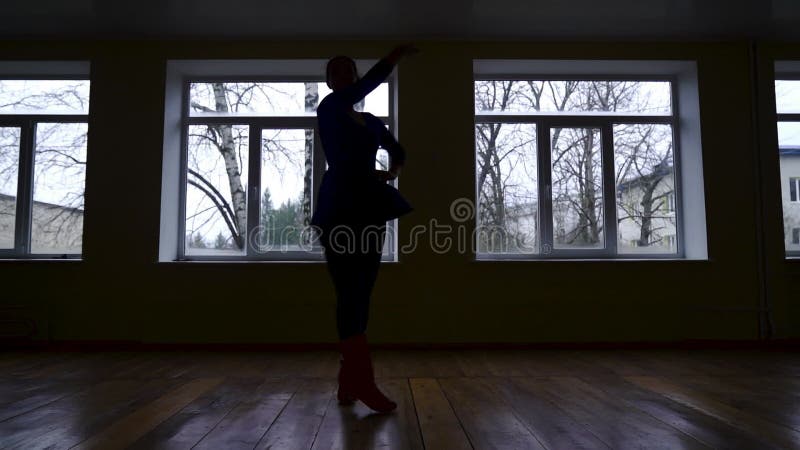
{"x": 435, "y": 19}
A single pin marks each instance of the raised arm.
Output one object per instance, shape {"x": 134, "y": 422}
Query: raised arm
{"x": 373, "y": 78}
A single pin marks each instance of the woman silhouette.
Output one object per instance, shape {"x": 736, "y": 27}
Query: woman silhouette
{"x": 353, "y": 205}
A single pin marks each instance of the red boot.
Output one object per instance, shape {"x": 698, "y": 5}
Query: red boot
{"x": 357, "y": 376}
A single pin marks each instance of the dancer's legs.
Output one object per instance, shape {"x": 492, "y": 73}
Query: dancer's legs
{"x": 353, "y": 262}
{"x": 354, "y": 270}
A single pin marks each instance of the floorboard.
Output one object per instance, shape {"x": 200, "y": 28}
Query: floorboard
{"x": 447, "y": 399}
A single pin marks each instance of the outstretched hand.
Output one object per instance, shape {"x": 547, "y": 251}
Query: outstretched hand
{"x": 402, "y": 51}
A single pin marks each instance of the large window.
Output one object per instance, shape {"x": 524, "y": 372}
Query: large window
{"x": 787, "y": 96}
{"x": 573, "y": 165}
{"x": 43, "y": 132}
{"x": 250, "y": 163}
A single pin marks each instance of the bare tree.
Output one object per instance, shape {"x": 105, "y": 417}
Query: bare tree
{"x": 644, "y": 179}
{"x": 311, "y": 102}
{"x": 230, "y": 143}
{"x": 576, "y": 162}
{"x": 59, "y": 161}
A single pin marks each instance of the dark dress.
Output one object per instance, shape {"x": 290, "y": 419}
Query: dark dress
{"x": 352, "y": 199}
{"x": 351, "y": 193}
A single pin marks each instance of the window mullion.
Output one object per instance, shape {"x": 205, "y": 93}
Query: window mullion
{"x": 24, "y": 219}
{"x": 545, "y": 188}
{"x": 184, "y": 170}
{"x": 609, "y": 190}
{"x": 253, "y": 189}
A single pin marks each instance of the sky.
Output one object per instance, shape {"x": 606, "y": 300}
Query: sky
{"x": 787, "y": 95}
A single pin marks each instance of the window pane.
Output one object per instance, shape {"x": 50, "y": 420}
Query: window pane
{"x": 286, "y": 167}
{"x": 44, "y": 96}
{"x": 573, "y": 97}
{"x": 273, "y": 99}
{"x": 9, "y": 172}
{"x": 787, "y": 96}
{"x": 216, "y": 190}
{"x": 58, "y": 188}
{"x": 577, "y": 188}
{"x": 508, "y": 206}
{"x": 789, "y": 150}
{"x": 789, "y": 135}
{"x": 645, "y": 188}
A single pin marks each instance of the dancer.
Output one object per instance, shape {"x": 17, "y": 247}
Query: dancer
{"x": 353, "y": 205}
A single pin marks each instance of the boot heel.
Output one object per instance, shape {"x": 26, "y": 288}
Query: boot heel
{"x": 358, "y": 377}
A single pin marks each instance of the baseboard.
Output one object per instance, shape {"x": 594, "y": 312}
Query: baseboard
{"x": 106, "y": 345}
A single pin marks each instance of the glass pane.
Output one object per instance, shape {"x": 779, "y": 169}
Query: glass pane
{"x": 645, "y": 188}
{"x": 273, "y": 99}
{"x": 508, "y": 203}
{"x": 787, "y": 96}
{"x": 381, "y": 159}
{"x": 58, "y": 188}
{"x": 44, "y": 96}
{"x": 286, "y": 171}
{"x": 577, "y": 176}
{"x": 9, "y": 173}
{"x": 216, "y": 190}
{"x": 789, "y": 135}
{"x": 789, "y": 139}
{"x": 573, "y": 97}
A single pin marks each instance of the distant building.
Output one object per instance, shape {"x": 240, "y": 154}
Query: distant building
{"x": 790, "y": 188}
{"x": 55, "y": 229}
{"x": 646, "y": 213}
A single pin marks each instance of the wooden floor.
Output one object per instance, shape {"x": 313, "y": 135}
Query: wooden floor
{"x": 509, "y": 399}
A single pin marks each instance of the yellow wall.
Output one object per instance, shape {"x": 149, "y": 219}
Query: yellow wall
{"x": 119, "y": 292}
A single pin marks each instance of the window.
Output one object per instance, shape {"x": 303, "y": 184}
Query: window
{"x": 787, "y": 97}
{"x": 43, "y": 135}
{"x": 796, "y": 236}
{"x": 669, "y": 202}
{"x": 576, "y": 164}
{"x": 251, "y": 158}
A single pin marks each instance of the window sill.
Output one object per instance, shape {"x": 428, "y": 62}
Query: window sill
{"x": 252, "y": 261}
{"x": 46, "y": 258}
{"x": 587, "y": 260}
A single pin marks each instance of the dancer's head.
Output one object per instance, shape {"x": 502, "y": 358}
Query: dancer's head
{"x": 340, "y": 72}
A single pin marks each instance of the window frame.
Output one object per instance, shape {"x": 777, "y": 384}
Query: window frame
{"x": 786, "y": 75}
{"x": 27, "y": 123}
{"x": 255, "y": 124}
{"x": 605, "y": 122}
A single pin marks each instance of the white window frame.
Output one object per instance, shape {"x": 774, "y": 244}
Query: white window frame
{"x": 796, "y": 182}
{"x": 787, "y": 70}
{"x": 691, "y": 240}
{"x": 35, "y": 70}
{"x": 180, "y": 75}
